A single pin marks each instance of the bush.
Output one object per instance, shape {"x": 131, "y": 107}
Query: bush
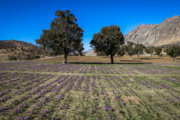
{"x": 37, "y": 56}
{"x": 12, "y": 57}
{"x": 31, "y": 57}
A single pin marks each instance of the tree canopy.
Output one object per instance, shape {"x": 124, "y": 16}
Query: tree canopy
{"x": 150, "y": 50}
{"x": 64, "y": 35}
{"x": 107, "y": 41}
{"x": 138, "y": 49}
{"x": 158, "y": 51}
{"x": 173, "y": 51}
{"x": 121, "y": 50}
{"x": 130, "y": 48}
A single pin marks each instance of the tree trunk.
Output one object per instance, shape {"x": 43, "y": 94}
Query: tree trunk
{"x": 138, "y": 55}
{"x": 130, "y": 57}
{"x": 112, "y": 59}
{"x": 151, "y": 56}
{"x": 119, "y": 58}
{"x": 65, "y": 58}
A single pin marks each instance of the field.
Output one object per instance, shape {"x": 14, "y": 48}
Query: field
{"x": 106, "y": 59}
{"x": 53, "y": 91}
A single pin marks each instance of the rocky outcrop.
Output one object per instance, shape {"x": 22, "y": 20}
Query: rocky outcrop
{"x": 90, "y": 53}
{"x": 165, "y": 33}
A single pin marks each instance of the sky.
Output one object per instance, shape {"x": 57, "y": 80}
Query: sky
{"x": 24, "y": 19}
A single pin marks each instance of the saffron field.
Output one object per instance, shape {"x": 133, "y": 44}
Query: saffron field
{"x": 48, "y": 91}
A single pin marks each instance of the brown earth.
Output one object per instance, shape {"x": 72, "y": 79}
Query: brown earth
{"x": 106, "y": 59}
{"x": 133, "y": 99}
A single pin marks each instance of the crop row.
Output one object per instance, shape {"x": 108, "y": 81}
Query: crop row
{"x": 89, "y": 68}
{"x": 45, "y": 96}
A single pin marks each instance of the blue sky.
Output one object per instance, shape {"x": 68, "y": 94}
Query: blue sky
{"x": 24, "y": 19}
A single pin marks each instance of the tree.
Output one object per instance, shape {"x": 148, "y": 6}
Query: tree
{"x": 150, "y": 50}
{"x": 130, "y": 48}
{"x": 107, "y": 41}
{"x": 130, "y": 44}
{"x": 138, "y": 49}
{"x": 130, "y": 51}
{"x": 158, "y": 51}
{"x": 64, "y": 35}
{"x": 121, "y": 51}
{"x": 173, "y": 51}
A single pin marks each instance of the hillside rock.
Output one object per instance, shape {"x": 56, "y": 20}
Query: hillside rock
{"x": 90, "y": 53}
{"x": 165, "y": 33}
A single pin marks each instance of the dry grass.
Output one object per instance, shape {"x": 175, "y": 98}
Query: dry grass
{"x": 106, "y": 59}
{"x": 133, "y": 99}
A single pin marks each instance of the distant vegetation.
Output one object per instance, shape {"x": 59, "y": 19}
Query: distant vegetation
{"x": 150, "y": 50}
{"x": 158, "y": 51}
{"x": 173, "y": 51}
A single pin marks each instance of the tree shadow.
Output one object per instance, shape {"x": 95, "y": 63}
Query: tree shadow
{"x": 158, "y": 58}
{"x": 108, "y": 63}
{"x": 145, "y": 59}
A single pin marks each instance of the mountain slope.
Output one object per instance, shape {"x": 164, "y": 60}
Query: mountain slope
{"x": 165, "y": 33}
{"x": 90, "y": 53}
{"x": 5, "y": 44}
{"x": 18, "y": 48}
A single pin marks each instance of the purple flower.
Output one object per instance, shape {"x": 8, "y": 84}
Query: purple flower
{"x": 105, "y": 107}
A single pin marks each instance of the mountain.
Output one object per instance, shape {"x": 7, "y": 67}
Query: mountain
{"x": 165, "y": 33}
{"x": 19, "y": 48}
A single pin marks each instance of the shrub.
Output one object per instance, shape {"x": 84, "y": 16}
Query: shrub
{"x": 31, "y": 57}
{"x": 12, "y": 57}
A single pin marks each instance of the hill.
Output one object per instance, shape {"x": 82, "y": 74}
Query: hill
{"x": 19, "y": 49}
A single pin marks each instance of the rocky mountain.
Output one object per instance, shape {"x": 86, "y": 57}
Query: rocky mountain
{"x": 165, "y": 33}
{"x": 18, "y": 48}
{"x": 90, "y": 53}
